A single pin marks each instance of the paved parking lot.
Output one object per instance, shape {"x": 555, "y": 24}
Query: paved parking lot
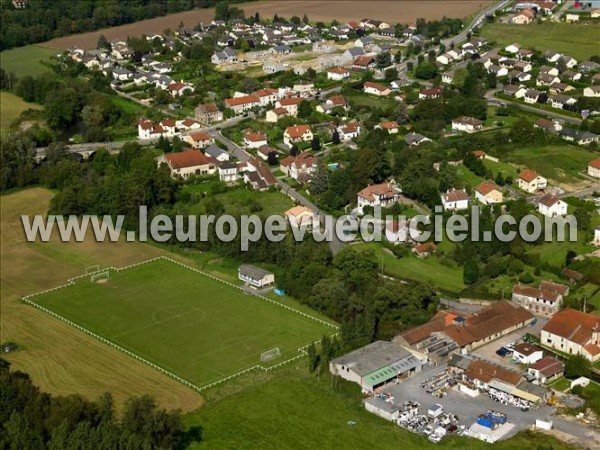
{"x": 488, "y": 351}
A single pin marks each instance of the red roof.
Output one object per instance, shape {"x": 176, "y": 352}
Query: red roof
{"x": 377, "y": 86}
{"x": 486, "y": 187}
{"x": 291, "y": 101}
{"x": 229, "y": 102}
{"x": 456, "y": 195}
{"x": 595, "y": 163}
{"x": 479, "y": 154}
{"x": 255, "y": 137}
{"x": 528, "y": 175}
{"x": 430, "y": 92}
{"x": 176, "y": 86}
{"x": 339, "y": 70}
{"x": 168, "y": 122}
{"x": 389, "y": 125}
{"x": 297, "y": 131}
{"x": 548, "y": 366}
{"x": 186, "y": 158}
{"x": 200, "y": 137}
{"x": 428, "y": 247}
{"x": 573, "y": 325}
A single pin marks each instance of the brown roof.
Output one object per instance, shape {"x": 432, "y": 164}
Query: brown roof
{"x": 479, "y": 153}
{"x": 486, "y": 372}
{"x": 186, "y": 158}
{"x": 241, "y": 100}
{"x": 254, "y": 137}
{"x": 168, "y": 122}
{"x": 337, "y": 100}
{"x": 200, "y": 137}
{"x": 363, "y": 60}
{"x": 351, "y": 127}
{"x": 528, "y": 175}
{"x": 380, "y": 190}
{"x": 265, "y": 150}
{"x": 437, "y": 323}
{"x": 573, "y": 325}
{"x": 297, "y": 131}
{"x": 549, "y": 200}
{"x": 526, "y": 349}
{"x": 379, "y": 87}
{"x": 595, "y": 163}
{"x": 208, "y": 108}
{"x": 339, "y": 70}
{"x": 291, "y": 101}
{"x": 528, "y": 291}
{"x": 389, "y": 125}
{"x": 554, "y": 287}
{"x": 548, "y": 366}
{"x": 146, "y": 124}
{"x": 431, "y": 91}
{"x": 264, "y": 92}
{"x": 176, "y": 86}
{"x": 486, "y": 187}
{"x": 188, "y": 122}
{"x": 545, "y": 123}
{"x": 280, "y": 111}
{"x": 304, "y": 158}
{"x": 428, "y": 247}
{"x": 456, "y": 195}
{"x": 468, "y": 120}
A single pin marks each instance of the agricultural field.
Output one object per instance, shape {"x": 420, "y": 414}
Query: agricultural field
{"x": 55, "y": 355}
{"x": 574, "y": 40}
{"x": 12, "y": 107}
{"x": 560, "y": 163}
{"x": 193, "y": 325}
{"x": 297, "y": 410}
{"x": 26, "y": 60}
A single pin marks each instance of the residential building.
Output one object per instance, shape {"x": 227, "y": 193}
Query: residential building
{"x": 300, "y": 168}
{"x": 424, "y": 250}
{"x": 376, "y": 365}
{"x": 525, "y": 17}
{"x": 373, "y": 88}
{"x": 275, "y": 114}
{"x": 573, "y": 332}
{"x": 227, "y": 55}
{"x": 199, "y": 140}
{"x": 297, "y": 133}
{"x": 547, "y": 369}
{"x": 530, "y": 181}
{"x": 592, "y": 91}
{"x": 545, "y": 300}
{"x": 228, "y": 172}
{"x": 179, "y": 89}
{"x": 241, "y": 104}
{"x": 338, "y": 74}
{"x": 391, "y": 127}
{"x": 254, "y": 140}
{"x": 208, "y": 113}
{"x": 255, "y": 276}
{"x": 489, "y": 193}
{"x": 300, "y": 215}
{"x": 384, "y": 194}
{"x": 258, "y": 175}
{"x": 349, "y": 131}
{"x": 266, "y": 97}
{"x": 525, "y": 353}
{"x": 581, "y": 137}
{"x": 217, "y": 153}
{"x": 188, "y": 163}
{"x": 468, "y": 124}
{"x": 562, "y": 101}
{"x": 290, "y": 105}
{"x": 593, "y": 169}
{"x": 533, "y": 96}
{"x": 415, "y": 139}
{"x": 552, "y": 206}
{"x": 264, "y": 151}
{"x": 430, "y": 93}
{"x": 455, "y": 200}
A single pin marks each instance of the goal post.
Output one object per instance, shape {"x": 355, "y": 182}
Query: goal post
{"x": 270, "y": 355}
{"x": 104, "y": 275}
{"x": 92, "y": 269}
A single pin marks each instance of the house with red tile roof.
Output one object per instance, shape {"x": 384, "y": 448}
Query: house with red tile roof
{"x": 297, "y": 133}
{"x": 455, "y": 200}
{"x": 531, "y": 181}
{"x": 547, "y": 369}
{"x": 593, "y": 169}
{"x": 383, "y": 194}
{"x": 199, "y": 140}
{"x": 188, "y": 163}
{"x": 489, "y": 193}
{"x": 573, "y": 332}
{"x": 545, "y": 300}
{"x": 376, "y": 89}
{"x": 254, "y": 140}
{"x": 301, "y": 167}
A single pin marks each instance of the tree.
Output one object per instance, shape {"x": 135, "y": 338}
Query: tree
{"x": 315, "y": 144}
{"x": 335, "y": 137}
{"x": 61, "y": 108}
{"x": 470, "y": 272}
{"x": 571, "y": 255}
{"x": 103, "y": 43}
{"x": 577, "y": 366}
{"x": 305, "y": 19}
{"x": 313, "y": 357}
{"x": 294, "y": 151}
{"x": 391, "y": 74}
{"x": 272, "y": 158}
{"x": 304, "y": 110}
{"x": 426, "y": 70}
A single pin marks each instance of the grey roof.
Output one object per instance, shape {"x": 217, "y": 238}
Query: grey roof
{"x": 373, "y": 357}
{"x": 414, "y": 138}
{"x": 532, "y": 388}
{"x": 461, "y": 361}
{"x": 256, "y": 273}
{"x": 282, "y": 49}
{"x": 356, "y": 51}
{"x": 382, "y": 405}
{"x": 214, "y": 151}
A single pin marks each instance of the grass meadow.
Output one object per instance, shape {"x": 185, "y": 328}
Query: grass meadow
{"x": 188, "y": 323}
{"x": 579, "y": 41}
{"x": 26, "y": 60}
{"x": 12, "y": 107}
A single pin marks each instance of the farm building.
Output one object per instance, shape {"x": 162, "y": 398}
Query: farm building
{"x": 375, "y": 365}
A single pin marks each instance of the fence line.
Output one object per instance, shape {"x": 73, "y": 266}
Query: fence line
{"x": 258, "y": 367}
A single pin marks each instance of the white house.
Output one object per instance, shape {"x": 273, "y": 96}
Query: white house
{"x": 391, "y": 127}
{"x": 593, "y": 169}
{"x": 299, "y": 215}
{"x": 254, "y": 140}
{"x": 376, "y": 89}
{"x": 187, "y": 163}
{"x": 592, "y": 91}
{"x": 255, "y": 276}
{"x": 455, "y": 200}
{"x": 530, "y": 181}
{"x": 551, "y": 206}
{"x": 297, "y": 133}
{"x": 199, "y": 140}
{"x": 489, "y": 193}
{"x": 468, "y": 124}
{"x": 349, "y": 131}
{"x": 338, "y": 74}
{"x": 513, "y": 48}
{"x": 546, "y": 369}
{"x": 217, "y": 153}
{"x": 383, "y": 194}
{"x": 525, "y": 353}
{"x": 290, "y": 105}
{"x": 573, "y": 332}
{"x": 241, "y": 104}
{"x": 228, "y": 172}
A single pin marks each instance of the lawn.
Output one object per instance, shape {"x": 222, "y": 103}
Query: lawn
{"x": 12, "y": 107}
{"x": 190, "y": 324}
{"x": 298, "y": 411}
{"x": 578, "y": 41}
{"x": 129, "y": 106}
{"x": 560, "y": 163}
{"x": 426, "y": 270}
{"x": 471, "y": 180}
{"x": 26, "y": 60}
{"x": 60, "y": 359}
{"x": 507, "y": 170}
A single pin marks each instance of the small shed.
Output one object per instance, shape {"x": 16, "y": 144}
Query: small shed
{"x": 255, "y": 276}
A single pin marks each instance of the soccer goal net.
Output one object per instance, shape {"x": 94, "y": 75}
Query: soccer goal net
{"x": 97, "y": 277}
{"x": 270, "y": 354}
{"x": 92, "y": 269}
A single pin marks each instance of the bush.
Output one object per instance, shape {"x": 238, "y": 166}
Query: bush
{"x": 526, "y": 278}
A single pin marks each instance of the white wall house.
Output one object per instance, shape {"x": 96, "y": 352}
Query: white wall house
{"x": 455, "y": 200}
{"x": 255, "y": 276}
{"x": 552, "y": 206}
{"x": 530, "y": 181}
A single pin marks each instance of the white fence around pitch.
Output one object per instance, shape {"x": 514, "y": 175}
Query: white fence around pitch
{"x": 258, "y": 367}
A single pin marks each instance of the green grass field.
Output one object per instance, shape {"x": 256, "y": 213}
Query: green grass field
{"x": 578, "y": 41}
{"x": 562, "y": 163}
{"x": 26, "y": 60}
{"x": 12, "y": 107}
{"x": 192, "y": 325}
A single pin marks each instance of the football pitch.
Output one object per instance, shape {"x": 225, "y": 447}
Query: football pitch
{"x": 187, "y": 323}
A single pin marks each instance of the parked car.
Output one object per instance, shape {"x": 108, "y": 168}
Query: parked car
{"x": 503, "y": 352}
